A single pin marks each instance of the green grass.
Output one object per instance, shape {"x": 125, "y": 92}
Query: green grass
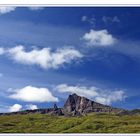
{"x": 91, "y": 123}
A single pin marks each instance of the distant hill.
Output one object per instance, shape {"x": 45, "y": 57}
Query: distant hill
{"x": 130, "y": 112}
{"x": 74, "y": 106}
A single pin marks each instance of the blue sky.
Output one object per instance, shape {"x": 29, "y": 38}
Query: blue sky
{"x": 50, "y": 52}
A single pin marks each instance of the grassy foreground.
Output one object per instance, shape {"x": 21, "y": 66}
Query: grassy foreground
{"x": 92, "y": 123}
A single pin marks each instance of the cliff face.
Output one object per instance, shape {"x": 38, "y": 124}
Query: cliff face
{"x": 76, "y": 105}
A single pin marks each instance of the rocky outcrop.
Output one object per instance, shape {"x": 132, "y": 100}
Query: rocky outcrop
{"x": 56, "y": 111}
{"x": 77, "y": 105}
{"x": 52, "y": 111}
{"x": 40, "y": 111}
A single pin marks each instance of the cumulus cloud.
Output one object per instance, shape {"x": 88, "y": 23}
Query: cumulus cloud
{"x": 31, "y": 107}
{"x": 99, "y": 38}
{"x": 99, "y": 95}
{"x": 45, "y": 58}
{"x": 4, "y": 10}
{"x": 33, "y": 94}
{"x": 2, "y": 51}
{"x": 89, "y": 92}
{"x": 113, "y": 96}
{"x": 15, "y": 108}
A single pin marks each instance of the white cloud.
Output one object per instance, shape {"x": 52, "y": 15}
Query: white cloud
{"x": 2, "y": 51}
{"x": 111, "y": 97}
{"x": 31, "y": 107}
{"x": 8, "y": 9}
{"x": 4, "y": 10}
{"x": 36, "y": 8}
{"x": 15, "y": 108}
{"x": 91, "y": 20}
{"x": 45, "y": 58}
{"x": 33, "y": 94}
{"x": 84, "y": 91}
{"x": 110, "y": 20}
{"x": 99, "y": 95}
{"x": 99, "y": 38}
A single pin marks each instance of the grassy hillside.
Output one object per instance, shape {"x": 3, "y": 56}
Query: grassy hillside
{"x": 92, "y": 123}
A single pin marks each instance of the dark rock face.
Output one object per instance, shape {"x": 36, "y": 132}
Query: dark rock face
{"x": 77, "y": 105}
{"x": 56, "y": 111}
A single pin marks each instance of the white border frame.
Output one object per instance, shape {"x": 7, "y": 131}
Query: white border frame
{"x": 70, "y": 3}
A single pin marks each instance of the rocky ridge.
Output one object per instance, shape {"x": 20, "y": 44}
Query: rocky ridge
{"x": 75, "y": 105}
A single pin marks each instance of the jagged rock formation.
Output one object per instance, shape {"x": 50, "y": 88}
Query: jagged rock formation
{"x": 56, "y": 111}
{"x": 50, "y": 111}
{"x": 75, "y": 105}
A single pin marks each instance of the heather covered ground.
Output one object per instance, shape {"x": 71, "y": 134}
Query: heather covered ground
{"x": 91, "y": 123}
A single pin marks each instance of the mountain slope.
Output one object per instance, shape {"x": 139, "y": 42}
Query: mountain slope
{"x": 77, "y": 105}
{"x": 90, "y": 123}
